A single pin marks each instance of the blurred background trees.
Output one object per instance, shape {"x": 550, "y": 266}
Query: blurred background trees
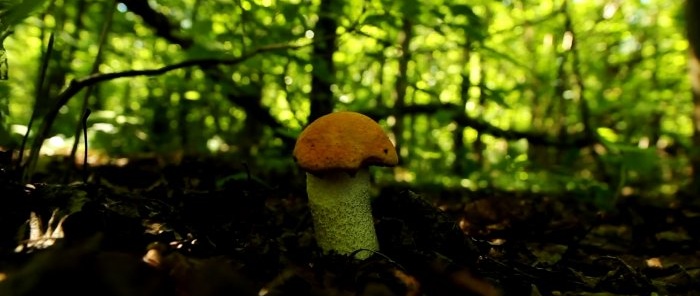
{"x": 589, "y": 97}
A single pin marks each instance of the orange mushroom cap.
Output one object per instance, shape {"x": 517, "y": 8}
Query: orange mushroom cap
{"x": 344, "y": 141}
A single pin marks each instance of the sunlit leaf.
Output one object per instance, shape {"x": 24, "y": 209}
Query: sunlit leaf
{"x": 607, "y": 134}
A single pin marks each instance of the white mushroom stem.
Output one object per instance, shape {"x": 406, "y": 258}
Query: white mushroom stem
{"x": 342, "y": 214}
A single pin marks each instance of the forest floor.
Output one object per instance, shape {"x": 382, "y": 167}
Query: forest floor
{"x": 198, "y": 229}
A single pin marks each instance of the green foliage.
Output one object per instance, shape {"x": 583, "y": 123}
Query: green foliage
{"x": 12, "y": 12}
{"x": 587, "y": 97}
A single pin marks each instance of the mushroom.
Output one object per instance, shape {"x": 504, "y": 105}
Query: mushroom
{"x": 336, "y": 151}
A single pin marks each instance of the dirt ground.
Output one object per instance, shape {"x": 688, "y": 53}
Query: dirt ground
{"x": 198, "y": 229}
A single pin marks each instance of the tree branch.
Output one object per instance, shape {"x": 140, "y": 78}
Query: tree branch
{"x": 574, "y": 141}
{"x": 158, "y": 21}
{"x": 166, "y": 29}
{"x": 76, "y": 86}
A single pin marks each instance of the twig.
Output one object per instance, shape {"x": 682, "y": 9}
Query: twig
{"x": 82, "y": 125}
{"x": 84, "y": 119}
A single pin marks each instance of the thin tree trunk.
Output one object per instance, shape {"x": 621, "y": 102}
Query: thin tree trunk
{"x": 478, "y": 145}
{"x": 402, "y": 82}
{"x": 459, "y": 167}
{"x": 323, "y": 74}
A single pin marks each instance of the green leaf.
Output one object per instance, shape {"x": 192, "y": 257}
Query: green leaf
{"x": 15, "y": 14}
{"x": 11, "y": 15}
{"x": 607, "y": 134}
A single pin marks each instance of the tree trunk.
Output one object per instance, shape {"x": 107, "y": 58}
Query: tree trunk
{"x": 459, "y": 167}
{"x": 402, "y": 83}
{"x": 323, "y": 74}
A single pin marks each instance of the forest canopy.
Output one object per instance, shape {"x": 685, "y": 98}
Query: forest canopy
{"x": 544, "y": 96}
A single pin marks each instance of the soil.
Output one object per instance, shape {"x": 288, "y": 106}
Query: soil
{"x": 201, "y": 227}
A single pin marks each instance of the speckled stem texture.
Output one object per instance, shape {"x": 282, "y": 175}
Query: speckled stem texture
{"x": 342, "y": 213}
